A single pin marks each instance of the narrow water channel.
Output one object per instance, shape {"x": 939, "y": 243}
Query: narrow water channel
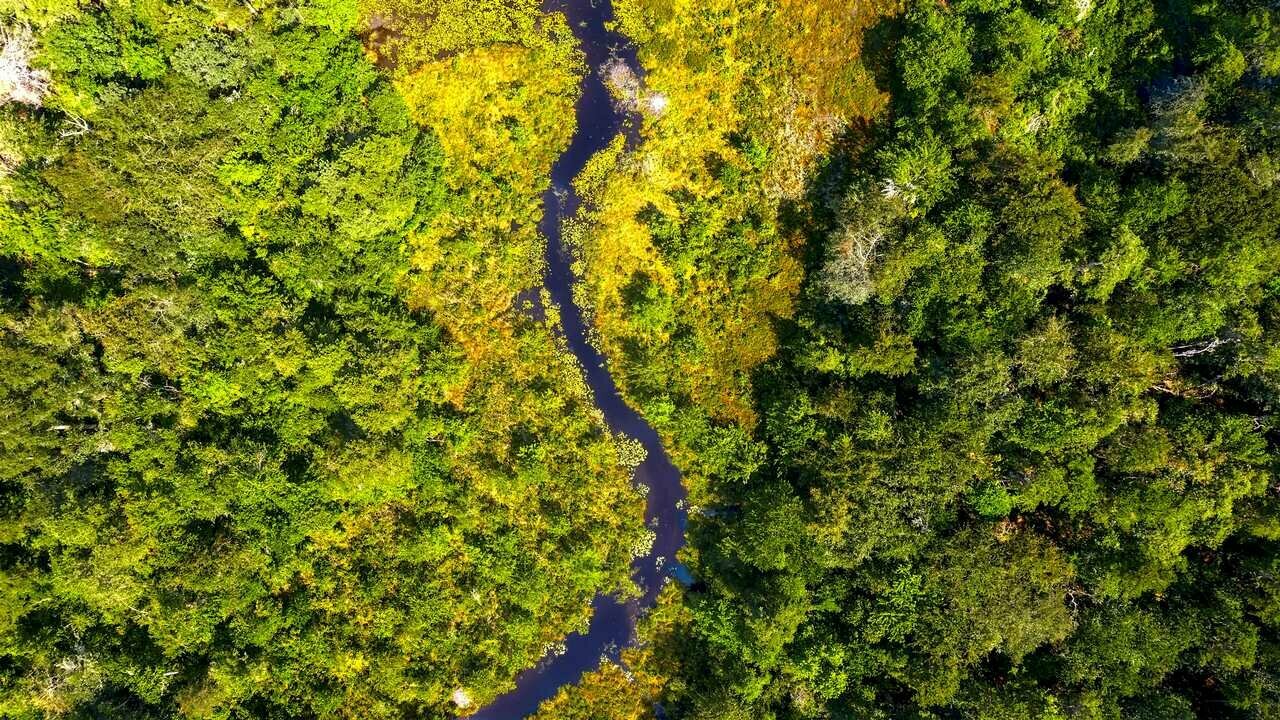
{"x": 612, "y": 622}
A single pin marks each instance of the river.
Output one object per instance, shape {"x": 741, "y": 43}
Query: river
{"x": 612, "y": 622}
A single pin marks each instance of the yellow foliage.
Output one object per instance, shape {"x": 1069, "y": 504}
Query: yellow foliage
{"x": 407, "y": 33}
{"x": 782, "y": 78}
{"x": 629, "y": 691}
{"x": 608, "y": 693}
{"x": 496, "y": 82}
{"x": 491, "y": 106}
{"x": 499, "y": 113}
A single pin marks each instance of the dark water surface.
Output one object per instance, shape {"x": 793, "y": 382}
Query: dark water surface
{"x": 613, "y": 622}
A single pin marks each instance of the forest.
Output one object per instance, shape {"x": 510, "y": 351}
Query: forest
{"x": 265, "y": 454}
{"x": 959, "y": 318}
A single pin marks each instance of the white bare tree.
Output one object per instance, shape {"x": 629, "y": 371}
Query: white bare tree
{"x": 846, "y": 275}
{"x": 19, "y": 82}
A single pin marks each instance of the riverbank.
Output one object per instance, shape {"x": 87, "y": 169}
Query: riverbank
{"x": 599, "y": 120}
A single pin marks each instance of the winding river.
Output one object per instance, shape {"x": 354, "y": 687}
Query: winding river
{"x": 612, "y": 622}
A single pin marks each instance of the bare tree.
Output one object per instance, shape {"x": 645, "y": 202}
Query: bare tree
{"x": 846, "y": 275}
{"x": 19, "y": 82}
{"x": 1203, "y": 346}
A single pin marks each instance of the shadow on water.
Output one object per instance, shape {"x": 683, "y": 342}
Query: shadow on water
{"x": 613, "y": 622}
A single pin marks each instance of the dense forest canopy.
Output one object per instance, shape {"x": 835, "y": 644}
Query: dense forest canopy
{"x": 276, "y": 441}
{"x": 1014, "y": 455}
{"x": 962, "y": 320}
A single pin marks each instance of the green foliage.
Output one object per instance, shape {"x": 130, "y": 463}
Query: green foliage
{"x": 244, "y": 471}
{"x": 974, "y": 383}
{"x": 1019, "y": 438}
